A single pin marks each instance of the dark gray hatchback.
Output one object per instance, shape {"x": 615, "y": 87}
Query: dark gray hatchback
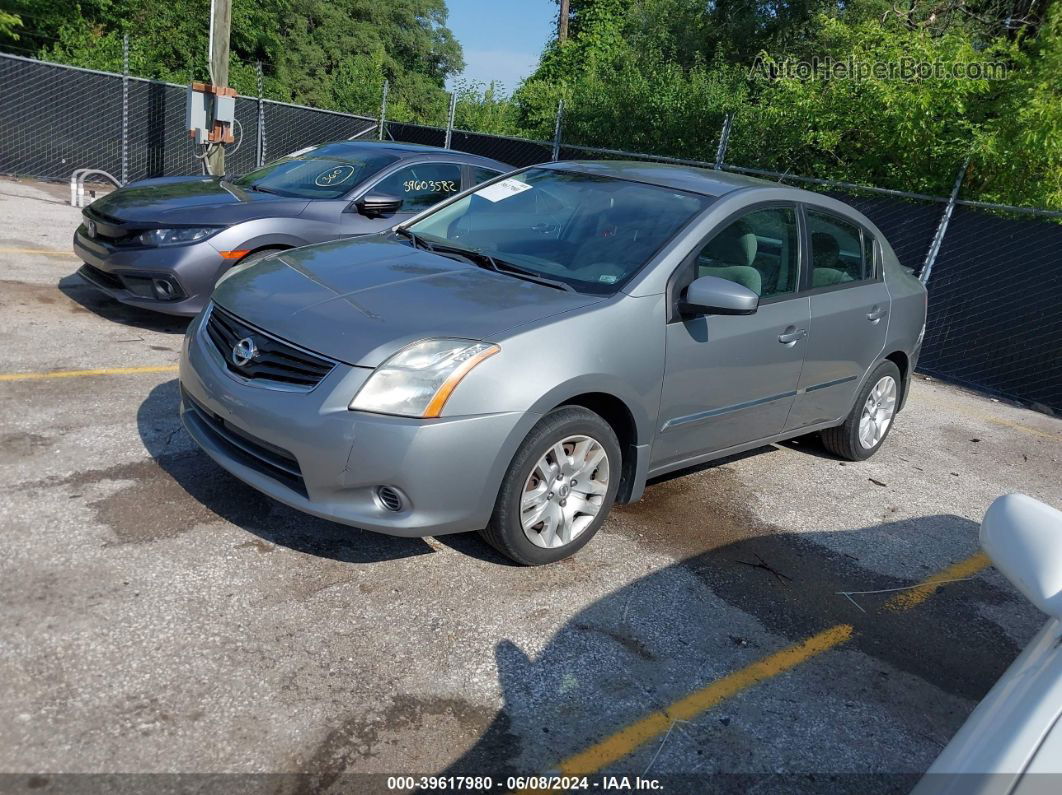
{"x": 163, "y": 243}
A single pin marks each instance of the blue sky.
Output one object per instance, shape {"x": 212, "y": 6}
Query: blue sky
{"x": 501, "y": 39}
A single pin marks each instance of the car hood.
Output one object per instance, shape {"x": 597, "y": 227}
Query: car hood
{"x": 192, "y": 200}
{"x": 359, "y": 301}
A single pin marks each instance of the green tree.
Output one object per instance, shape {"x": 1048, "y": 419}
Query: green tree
{"x": 315, "y": 52}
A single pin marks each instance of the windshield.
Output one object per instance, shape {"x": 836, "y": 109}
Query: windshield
{"x": 590, "y": 232}
{"x": 326, "y": 172}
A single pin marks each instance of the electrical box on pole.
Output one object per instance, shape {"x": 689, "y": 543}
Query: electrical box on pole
{"x": 209, "y": 113}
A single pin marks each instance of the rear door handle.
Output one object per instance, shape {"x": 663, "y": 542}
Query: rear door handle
{"x": 877, "y": 313}
{"x": 791, "y": 335}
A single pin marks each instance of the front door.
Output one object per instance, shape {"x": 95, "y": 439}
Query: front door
{"x": 849, "y": 319}
{"x": 732, "y": 379}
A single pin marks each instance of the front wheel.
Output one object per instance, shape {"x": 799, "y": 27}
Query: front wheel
{"x": 558, "y": 489}
{"x": 871, "y": 417}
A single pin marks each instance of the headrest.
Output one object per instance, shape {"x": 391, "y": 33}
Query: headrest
{"x": 824, "y": 248}
{"x": 735, "y": 245}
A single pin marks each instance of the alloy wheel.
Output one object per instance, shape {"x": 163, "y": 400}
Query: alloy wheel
{"x": 564, "y": 491}
{"x": 878, "y": 411}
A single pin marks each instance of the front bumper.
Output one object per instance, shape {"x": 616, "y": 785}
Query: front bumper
{"x": 308, "y": 450}
{"x": 127, "y": 274}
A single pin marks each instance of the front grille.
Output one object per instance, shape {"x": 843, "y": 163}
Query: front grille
{"x": 274, "y": 359}
{"x": 110, "y": 229}
{"x": 259, "y": 455}
{"x": 101, "y": 278}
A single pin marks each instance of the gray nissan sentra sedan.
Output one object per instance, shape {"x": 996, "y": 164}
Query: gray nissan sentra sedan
{"x": 526, "y": 354}
{"x": 161, "y": 244}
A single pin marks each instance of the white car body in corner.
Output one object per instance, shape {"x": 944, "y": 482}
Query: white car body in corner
{"x": 1012, "y": 742}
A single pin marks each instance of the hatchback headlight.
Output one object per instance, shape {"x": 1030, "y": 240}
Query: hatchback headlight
{"x": 173, "y": 237}
{"x": 417, "y": 380}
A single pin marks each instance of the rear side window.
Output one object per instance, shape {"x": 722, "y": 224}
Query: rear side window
{"x": 840, "y": 252}
{"x": 422, "y": 185}
{"x": 480, "y": 174}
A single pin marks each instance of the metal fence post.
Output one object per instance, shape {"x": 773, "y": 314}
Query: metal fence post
{"x": 260, "y": 143}
{"x": 942, "y": 227}
{"x": 724, "y": 140}
{"x": 557, "y": 130}
{"x": 450, "y": 119}
{"x": 125, "y": 108}
{"x": 383, "y": 110}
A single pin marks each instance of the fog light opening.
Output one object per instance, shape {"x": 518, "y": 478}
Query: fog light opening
{"x": 165, "y": 290}
{"x": 389, "y": 498}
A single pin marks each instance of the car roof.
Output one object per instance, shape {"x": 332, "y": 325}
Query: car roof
{"x": 406, "y": 151}
{"x": 667, "y": 175}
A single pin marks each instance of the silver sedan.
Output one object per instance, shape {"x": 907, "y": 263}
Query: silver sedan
{"x": 525, "y": 355}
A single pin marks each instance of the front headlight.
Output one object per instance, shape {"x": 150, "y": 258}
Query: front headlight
{"x": 417, "y": 380}
{"x": 173, "y": 237}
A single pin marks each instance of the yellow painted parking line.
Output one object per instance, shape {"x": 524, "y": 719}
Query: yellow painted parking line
{"x": 633, "y": 736}
{"x": 656, "y": 723}
{"x": 905, "y": 600}
{"x": 162, "y": 368}
{"x": 44, "y": 252}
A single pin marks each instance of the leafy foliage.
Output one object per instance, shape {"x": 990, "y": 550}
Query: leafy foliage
{"x": 660, "y": 75}
{"x": 649, "y": 75}
{"x": 314, "y": 52}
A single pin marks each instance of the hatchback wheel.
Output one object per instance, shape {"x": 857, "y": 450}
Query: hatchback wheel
{"x": 871, "y": 417}
{"x": 558, "y": 489}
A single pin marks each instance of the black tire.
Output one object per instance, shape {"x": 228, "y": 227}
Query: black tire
{"x": 505, "y": 531}
{"x": 843, "y": 441}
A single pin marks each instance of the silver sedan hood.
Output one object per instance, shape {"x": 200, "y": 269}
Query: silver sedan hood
{"x": 359, "y": 301}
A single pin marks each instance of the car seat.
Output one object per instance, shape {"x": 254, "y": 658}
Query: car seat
{"x": 730, "y": 256}
{"x": 827, "y": 267}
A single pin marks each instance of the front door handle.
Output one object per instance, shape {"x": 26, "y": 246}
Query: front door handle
{"x": 791, "y": 335}
{"x": 877, "y": 313}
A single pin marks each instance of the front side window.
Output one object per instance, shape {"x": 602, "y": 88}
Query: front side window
{"x": 588, "y": 231}
{"x": 421, "y": 185}
{"x": 838, "y": 251}
{"x": 758, "y": 251}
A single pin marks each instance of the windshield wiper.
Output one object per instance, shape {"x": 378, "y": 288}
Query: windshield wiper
{"x": 485, "y": 260}
{"x": 418, "y": 242}
{"x": 263, "y": 189}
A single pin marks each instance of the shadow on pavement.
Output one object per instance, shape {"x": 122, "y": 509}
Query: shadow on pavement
{"x": 235, "y": 502}
{"x": 678, "y": 629}
{"x": 99, "y": 303}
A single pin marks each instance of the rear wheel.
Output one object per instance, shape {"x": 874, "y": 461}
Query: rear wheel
{"x": 871, "y": 417}
{"x": 558, "y": 489}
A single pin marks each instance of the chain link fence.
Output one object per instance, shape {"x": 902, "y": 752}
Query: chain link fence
{"x": 995, "y": 286}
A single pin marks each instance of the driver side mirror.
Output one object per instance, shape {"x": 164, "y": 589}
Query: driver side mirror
{"x": 712, "y": 295}
{"x": 373, "y": 205}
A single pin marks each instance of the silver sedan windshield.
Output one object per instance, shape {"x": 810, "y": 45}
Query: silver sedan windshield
{"x": 590, "y": 232}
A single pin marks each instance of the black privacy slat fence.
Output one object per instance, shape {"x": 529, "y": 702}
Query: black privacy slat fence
{"x": 995, "y": 298}
{"x": 995, "y": 286}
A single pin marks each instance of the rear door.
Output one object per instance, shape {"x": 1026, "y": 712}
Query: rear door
{"x": 729, "y": 380}
{"x": 850, "y": 307}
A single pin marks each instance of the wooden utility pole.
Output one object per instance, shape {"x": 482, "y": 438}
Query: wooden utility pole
{"x": 562, "y": 24}
{"x": 220, "y": 23}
